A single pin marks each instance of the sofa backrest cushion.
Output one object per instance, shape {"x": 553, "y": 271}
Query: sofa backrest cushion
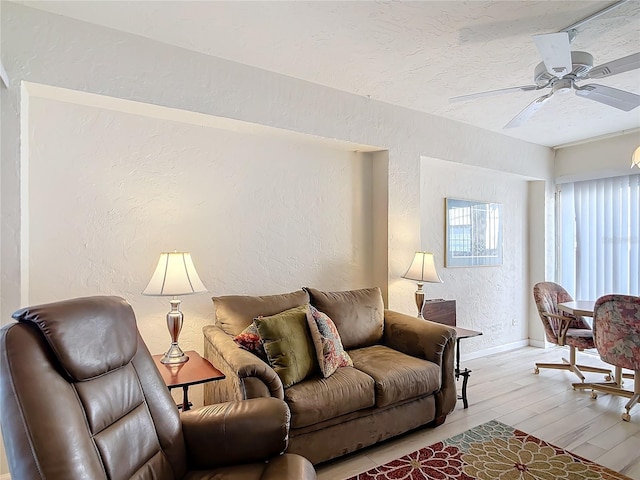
{"x": 234, "y": 313}
{"x": 357, "y": 314}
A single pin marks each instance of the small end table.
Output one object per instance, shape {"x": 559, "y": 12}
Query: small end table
{"x": 444, "y": 312}
{"x": 464, "y": 373}
{"x": 193, "y": 372}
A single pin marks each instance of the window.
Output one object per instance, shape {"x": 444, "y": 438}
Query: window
{"x": 599, "y": 237}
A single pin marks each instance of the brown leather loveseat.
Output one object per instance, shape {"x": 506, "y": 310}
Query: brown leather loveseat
{"x": 402, "y": 375}
{"x": 82, "y": 399}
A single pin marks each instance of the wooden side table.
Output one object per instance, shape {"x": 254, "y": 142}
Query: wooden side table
{"x": 444, "y": 311}
{"x": 193, "y": 372}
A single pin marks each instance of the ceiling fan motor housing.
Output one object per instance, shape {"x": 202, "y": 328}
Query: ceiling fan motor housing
{"x": 581, "y": 62}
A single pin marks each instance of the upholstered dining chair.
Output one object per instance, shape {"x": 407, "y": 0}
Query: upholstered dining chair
{"x": 616, "y": 331}
{"x": 81, "y": 398}
{"x": 564, "y": 329}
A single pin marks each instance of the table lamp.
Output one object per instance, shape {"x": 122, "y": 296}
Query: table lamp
{"x": 175, "y": 275}
{"x": 422, "y": 269}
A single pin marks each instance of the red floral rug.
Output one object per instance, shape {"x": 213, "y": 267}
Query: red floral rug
{"x": 492, "y": 451}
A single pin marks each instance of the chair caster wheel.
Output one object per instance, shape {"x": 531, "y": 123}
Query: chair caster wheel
{"x": 536, "y": 371}
{"x": 594, "y": 395}
{"x": 626, "y": 417}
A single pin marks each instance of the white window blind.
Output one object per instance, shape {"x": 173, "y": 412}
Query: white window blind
{"x": 600, "y": 237}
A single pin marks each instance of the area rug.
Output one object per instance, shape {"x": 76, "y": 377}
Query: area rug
{"x": 492, "y": 451}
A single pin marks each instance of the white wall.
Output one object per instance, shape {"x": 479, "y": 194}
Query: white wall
{"x": 542, "y": 249}
{"x": 51, "y": 50}
{"x": 109, "y": 191}
{"x": 603, "y": 158}
{"x": 54, "y": 50}
{"x": 480, "y": 292}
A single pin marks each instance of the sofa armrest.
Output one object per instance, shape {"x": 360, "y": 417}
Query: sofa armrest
{"x": 424, "y": 339}
{"x": 235, "y": 432}
{"x": 247, "y": 376}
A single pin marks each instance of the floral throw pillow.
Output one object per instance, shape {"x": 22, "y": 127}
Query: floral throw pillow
{"x": 249, "y": 339}
{"x": 326, "y": 339}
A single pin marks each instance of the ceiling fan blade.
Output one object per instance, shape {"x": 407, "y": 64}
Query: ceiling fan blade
{"x": 555, "y": 52}
{"x": 491, "y": 93}
{"x": 528, "y": 111}
{"x": 624, "y": 64}
{"x": 613, "y": 97}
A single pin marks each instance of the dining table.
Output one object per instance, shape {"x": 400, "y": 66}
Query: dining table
{"x": 579, "y": 308}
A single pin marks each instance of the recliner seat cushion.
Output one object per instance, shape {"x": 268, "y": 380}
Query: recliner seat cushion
{"x": 397, "y": 376}
{"x": 318, "y": 399}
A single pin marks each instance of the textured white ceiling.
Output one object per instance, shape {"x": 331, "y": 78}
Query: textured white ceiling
{"x": 414, "y": 54}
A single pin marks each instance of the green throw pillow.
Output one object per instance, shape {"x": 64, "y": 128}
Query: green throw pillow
{"x": 287, "y": 341}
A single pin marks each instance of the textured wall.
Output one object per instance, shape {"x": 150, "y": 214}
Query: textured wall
{"x": 54, "y": 50}
{"x": 608, "y": 157}
{"x": 491, "y": 298}
{"x": 108, "y": 191}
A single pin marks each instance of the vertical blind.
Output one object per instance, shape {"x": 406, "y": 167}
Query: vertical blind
{"x": 599, "y": 237}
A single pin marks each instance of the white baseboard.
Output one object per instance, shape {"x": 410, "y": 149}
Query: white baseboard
{"x": 538, "y": 343}
{"x": 492, "y": 350}
{"x": 5, "y": 476}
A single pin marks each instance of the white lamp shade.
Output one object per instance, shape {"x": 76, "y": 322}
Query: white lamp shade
{"x": 174, "y": 275}
{"x": 635, "y": 158}
{"x": 423, "y": 269}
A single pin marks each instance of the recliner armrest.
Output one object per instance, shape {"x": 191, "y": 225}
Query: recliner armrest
{"x": 235, "y": 432}
{"x": 424, "y": 339}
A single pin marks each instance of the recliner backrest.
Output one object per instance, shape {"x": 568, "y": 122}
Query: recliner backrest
{"x": 81, "y": 397}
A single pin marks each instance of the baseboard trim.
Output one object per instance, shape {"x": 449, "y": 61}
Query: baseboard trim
{"x": 538, "y": 343}
{"x": 492, "y": 350}
{"x": 5, "y": 476}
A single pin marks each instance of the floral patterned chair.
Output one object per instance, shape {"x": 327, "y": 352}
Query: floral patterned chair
{"x": 564, "y": 329}
{"x": 616, "y": 331}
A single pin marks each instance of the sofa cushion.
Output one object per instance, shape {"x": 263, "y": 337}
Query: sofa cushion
{"x": 326, "y": 340}
{"x": 234, "y": 313}
{"x": 318, "y": 399}
{"x": 287, "y": 341}
{"x": 398, "y": 376}
{"x": 357, "y": 314}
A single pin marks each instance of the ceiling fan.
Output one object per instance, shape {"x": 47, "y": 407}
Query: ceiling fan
{"x": 562, "y": 69}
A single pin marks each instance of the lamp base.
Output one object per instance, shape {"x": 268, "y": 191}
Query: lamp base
{"x": 174, "y": 355}
{"x": 419, "y": 299}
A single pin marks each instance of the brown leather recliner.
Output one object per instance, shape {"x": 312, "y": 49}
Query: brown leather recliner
{"x": 81, "y": 398}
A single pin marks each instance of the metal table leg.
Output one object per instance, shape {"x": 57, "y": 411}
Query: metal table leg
{"x": 462, "y": 373}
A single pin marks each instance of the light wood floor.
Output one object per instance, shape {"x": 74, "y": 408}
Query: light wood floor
{"x": 503, "y": 387}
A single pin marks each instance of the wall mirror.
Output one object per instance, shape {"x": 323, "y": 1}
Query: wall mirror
{"x": 473, "y": 233}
